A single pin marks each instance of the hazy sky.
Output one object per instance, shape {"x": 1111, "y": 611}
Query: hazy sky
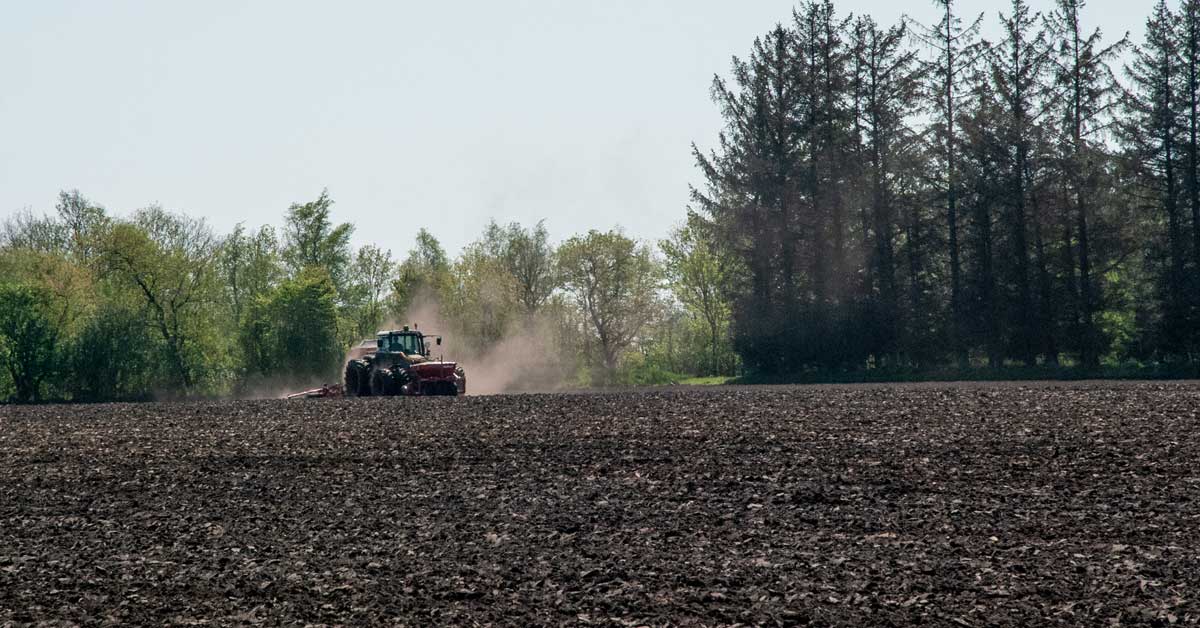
{"x": 435, "y": 114}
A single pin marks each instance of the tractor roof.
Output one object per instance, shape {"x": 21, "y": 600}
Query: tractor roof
{"x": 395, "y": 332}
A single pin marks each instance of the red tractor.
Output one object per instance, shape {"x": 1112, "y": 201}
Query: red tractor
{"x": 400, "y": 362}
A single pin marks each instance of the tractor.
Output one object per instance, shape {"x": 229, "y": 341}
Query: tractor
{"x": 400, "y": 362}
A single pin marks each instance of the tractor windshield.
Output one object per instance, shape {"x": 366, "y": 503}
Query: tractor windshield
{"x": 410, "y": 344}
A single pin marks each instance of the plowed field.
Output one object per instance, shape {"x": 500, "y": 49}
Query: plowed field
{"x": 858, "y": 506}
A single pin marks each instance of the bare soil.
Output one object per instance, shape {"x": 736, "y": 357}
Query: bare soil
{"x": 1013, "y": 504}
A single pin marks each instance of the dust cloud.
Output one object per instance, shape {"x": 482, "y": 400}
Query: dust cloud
{"x": 280, "y": 387}
{"x": 525, "y": 359}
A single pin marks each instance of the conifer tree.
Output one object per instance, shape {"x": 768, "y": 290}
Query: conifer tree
{"x": 1086, "y": 90}
{"x": 955, "y": 48}
{"x": 1151, "y": 131}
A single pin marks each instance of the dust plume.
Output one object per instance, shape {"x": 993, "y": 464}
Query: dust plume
{"x": 525, "y": 359}
{"x": 280, "y": 387}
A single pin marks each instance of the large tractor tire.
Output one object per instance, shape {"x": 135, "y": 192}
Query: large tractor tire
{"x": 381, "y": 383}
{"x": 353, "y": 384}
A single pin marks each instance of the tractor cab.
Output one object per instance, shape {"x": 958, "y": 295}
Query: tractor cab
{"x": 401, "y": 341}
{"x": 409, "y": 342}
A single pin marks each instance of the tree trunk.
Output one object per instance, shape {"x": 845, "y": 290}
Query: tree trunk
{"x": 957, "y": 343}
{"x": 1192, "y": 59}
{"x": 1028, "y": 331}
{"x": 712, "y": 328}
{"x": 1088, "y": 349}
{"x": 914, "y": 270}
{"x": 1049, "y": 348}
{"x": 1026, "y": 343}
{"x": 987, "y": 283}
{"x": 1176, "y": 317}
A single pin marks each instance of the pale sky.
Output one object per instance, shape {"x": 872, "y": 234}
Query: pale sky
{"x": 434, "y": 114}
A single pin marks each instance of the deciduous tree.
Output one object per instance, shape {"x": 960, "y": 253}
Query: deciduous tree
{"x": 699, "y": 277}
{"x": 615, "y": 281}
{"x": 291, "y": 333}
{"x": 170, "y": 259}
{"x": 310, "y": 239}
{"x": 28, "y": 340}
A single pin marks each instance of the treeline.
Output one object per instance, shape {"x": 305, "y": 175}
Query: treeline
{"x": 914, "y": 196}
{"x": 156, "y": 304}
{"x": 883, "y": 199}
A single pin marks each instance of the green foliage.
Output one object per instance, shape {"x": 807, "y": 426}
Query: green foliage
{"x": 699, "y": 277}
{"x": 66, "y": 286}
{"x": 893, "y": 214}
{"x": 250, "y": 265}
{"x": 615, "y": 282}
{"x": 484, "y": 301}
{"x": 423, "y": 278}
{"x": 370, "y": 281}
{"x": 562, "y": 324}
{"x": 640, "y": 370}
{"x": 170, "y": 261}
{"x": 64, "y": 292}
{"x": 292, "y": 332}
{"x": 28, "y": 340}
{"x": 82, "y": 224}
{"x": 528, "y": 257}
{"x": 312, "y": 241}
{"x": 1119, "y": 321}
{"x": 676, "y": 344}
{"x": 706, "y": 381}
{"x": 502, "y": 286}
{"x": 256, "y": 339}
{"x": 115, "y": 356}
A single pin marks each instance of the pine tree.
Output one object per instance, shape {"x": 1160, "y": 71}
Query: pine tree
{"x": 1087, "y": 91}
{"x": 886, "y": 85}
{"x": 1151, "y": 133}
{"x": 1017, "y": 66}
{"x": 822, "y": 298}
{"x": 955, "y": 49}
{"x": 982, "y": 190}
{"x": 1189, "y": 36}
{"x": 749, "y": 197}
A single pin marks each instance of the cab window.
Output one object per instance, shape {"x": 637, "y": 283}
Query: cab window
{"x": 410, "y": 344}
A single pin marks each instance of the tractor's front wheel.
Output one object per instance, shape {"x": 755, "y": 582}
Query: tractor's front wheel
{"x": 381, "y": 383}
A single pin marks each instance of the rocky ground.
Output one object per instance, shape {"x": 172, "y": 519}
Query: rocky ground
{"x": 974, "y": 505}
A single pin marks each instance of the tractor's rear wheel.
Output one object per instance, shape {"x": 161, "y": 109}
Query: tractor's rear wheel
{"x": 364, "y": 379}
{"x": 352, "y": 384}
{"x": 381, "y": 383}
